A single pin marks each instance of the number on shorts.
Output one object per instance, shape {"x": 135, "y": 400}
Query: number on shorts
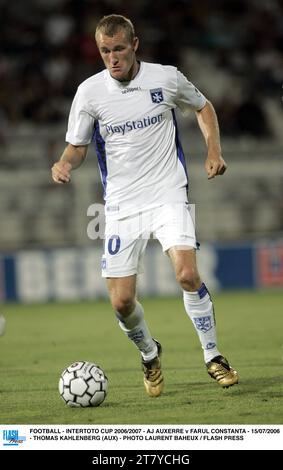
{"x": 114, "y": 244}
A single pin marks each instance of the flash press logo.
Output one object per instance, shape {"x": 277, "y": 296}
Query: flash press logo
{"x": 11, "y": 437}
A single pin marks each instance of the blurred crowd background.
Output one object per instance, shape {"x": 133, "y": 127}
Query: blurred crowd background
{"x": 232, "y": 50}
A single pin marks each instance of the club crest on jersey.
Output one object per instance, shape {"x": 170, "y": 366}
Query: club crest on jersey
{"x": 203, "y": 323}
{"x": 156, "y": 95}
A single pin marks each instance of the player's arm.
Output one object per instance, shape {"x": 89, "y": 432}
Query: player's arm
{"x": 208, "y": 123}
{"x": 72, "y": 157}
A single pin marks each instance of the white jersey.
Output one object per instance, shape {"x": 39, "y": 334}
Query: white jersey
{"x": 133, "y": 125}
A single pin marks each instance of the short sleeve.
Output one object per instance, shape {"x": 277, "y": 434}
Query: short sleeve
{"x": 188, "y": 97}
{"x": 81, "y": 121}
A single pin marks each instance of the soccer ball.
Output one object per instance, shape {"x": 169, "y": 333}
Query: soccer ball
{"x": 83, "y": 384}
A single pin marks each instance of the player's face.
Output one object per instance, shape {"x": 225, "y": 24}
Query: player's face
{"x": 119, "y": 55}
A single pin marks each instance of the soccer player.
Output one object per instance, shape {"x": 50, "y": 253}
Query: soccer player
{"x": 128, "y": 111}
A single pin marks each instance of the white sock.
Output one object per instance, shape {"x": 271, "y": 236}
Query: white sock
{"x": 137, "y": 331}
{"x": 199, "y": 308}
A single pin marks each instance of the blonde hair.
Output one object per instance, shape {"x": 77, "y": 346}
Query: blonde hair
{"x": 111, "y": 24}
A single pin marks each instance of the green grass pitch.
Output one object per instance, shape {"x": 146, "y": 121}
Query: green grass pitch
{"x": 41, "y": 340}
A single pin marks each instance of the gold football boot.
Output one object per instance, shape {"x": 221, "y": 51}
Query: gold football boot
{"x": 219, "y": 369}
{"x": 153, "y": 378}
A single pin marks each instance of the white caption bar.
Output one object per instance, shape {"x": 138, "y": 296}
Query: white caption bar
{"x": 125, "y": 437}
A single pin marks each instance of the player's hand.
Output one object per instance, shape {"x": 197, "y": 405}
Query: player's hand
{"x": 215, "y": 165}
{"x": 61, "y": 172}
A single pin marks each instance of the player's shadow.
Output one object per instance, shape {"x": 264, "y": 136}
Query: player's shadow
{"x": 258, "y": 386}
